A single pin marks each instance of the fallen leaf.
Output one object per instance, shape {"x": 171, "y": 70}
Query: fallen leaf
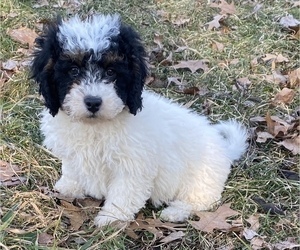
{"x": 40, "y": 3}
{"x": 292, "y": 144}
{"x": 192, "y": 65}
{"x": 295, "y": 36}
{"x": 242, "y": 83}
{"x": 163, "y": 15}
{"x": 215, "y": 23}
{"x": 225, "y": 7}
{"x": 153, "y": 226}
{"x": 254, "y": 62}
{"x": 294, "y": 78}
{"x": 158, "y": 39}
{"x": 259, "y": 243}
{"x": 181, "y": 21}
{"x": 289, "y": 21}
{"x": 268, "y": 207}
{"x": 214, "y": 220}
{"x": 276, "y": 77}
{"x": 287, "y": 244}
{"x": 180, "y": 49}
{"x": 277, "y": 58}
{"x": 172, "y": 237}
{"x": 23, "y": 35}
{"x": 263, "y": 136}
{"x": 290, "y": 175}
{"x": 253, "y": 220}
{"x": 285, "y": 96}
{"x": 176, "y": 80}
{"x": 249, "y": 234}
{"x": 75, "y": 214}
{"x": 10, "y": 65}
{"x": 270, "y": 124}
{"x": 191, "y": 90}
{"x": 295, "y": 3}
{"x": 9, "y": 174}
{"x": 217, "y": 46}
{"x": 167, "y": 61}
{"x": 45, "y": 239}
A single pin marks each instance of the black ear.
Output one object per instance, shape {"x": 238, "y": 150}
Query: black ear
{"x": 42, "y": 69}
{"x": 136, "y": 56}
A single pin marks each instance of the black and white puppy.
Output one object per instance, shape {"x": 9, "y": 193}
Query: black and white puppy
{"x": 116, "y": 142}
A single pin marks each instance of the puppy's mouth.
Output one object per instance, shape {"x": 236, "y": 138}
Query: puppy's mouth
{"x": 92, "y": 116}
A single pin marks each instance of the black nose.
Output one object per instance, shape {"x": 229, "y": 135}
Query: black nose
{"x": 92, "y": 103}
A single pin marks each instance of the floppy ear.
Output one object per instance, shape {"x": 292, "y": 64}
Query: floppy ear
{"x": 42, "y": 69}
{"x": 136, "y": 56}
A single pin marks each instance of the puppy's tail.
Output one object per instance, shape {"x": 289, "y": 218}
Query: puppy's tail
{"x": 235, "y": 135}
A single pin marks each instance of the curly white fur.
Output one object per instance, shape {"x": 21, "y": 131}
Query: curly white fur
{"x": 165, "y": 152}
{"x": 94, "y": 33}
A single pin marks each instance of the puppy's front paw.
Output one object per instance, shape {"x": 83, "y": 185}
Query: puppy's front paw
{"x": 107, "y": 218}
{"x": 69, "y": 188}
{"x": 174, "y": 214}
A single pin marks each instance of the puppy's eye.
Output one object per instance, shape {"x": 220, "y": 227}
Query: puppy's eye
{"x": 74, "y": 71}
{"x": 110, "y": 72}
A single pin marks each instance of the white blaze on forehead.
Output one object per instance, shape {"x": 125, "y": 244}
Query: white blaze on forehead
{"x": 95, "y": 33}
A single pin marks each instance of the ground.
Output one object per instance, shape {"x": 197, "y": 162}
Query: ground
{"x": 246, "y": 69}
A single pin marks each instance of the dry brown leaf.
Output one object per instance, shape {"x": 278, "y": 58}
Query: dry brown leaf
{"x": 9, "y": 175}
{"x": 217, "y": 46}
{"x": 277, "y": 58}
{"x": 45, "y": 239}
{"x": 225, "y": 7}
{"x": 254, "y": 62}
{"x": 23, "y": 35}
{"x": 176, "y": 80}
{"x": 289, "y": 21}
{"x": 295, "y": 36}
{"x": 158, "y": 39}
{"x": 172, "y": 236}
{"x": 180, "y": 49}
{"x": 287, "y": 244}
{"x": 276, "y": 77}
{"x": 285, "y": 96}
{"x": 40, "y": 4}
{"x": 181, "y": 21}
{"x": 191, "y": 90}
{"x": 153, "y": 226}
{"x": 270, "y": 124}
{"x": 167, "y": 61}
{"x": 249, "y": 234}
{"x": 258, "y": 243}
{"x": 292, "y": 144}
{"x": 263, "y": 136}
{"x": 253, "y": 220}
{"x": 214, "y": 220}
{"x": 242, "y": 83}
{"x": 294, "y": 78}
{"x": 163, "y": 15}
{"x": 215, "y": 23}
{"x": 75, "y": 214}
{"x": 192, "y": 65}
{"x": 10, "y": 65}
{"x": 295, "y": 3}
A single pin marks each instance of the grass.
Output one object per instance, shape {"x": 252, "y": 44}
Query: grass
{"x": 28, "y": 212}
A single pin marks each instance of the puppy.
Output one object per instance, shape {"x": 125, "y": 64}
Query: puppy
{"x": 117, "y": 141}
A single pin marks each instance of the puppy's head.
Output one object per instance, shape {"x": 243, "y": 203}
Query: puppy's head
{"x": 90, "y": 69}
